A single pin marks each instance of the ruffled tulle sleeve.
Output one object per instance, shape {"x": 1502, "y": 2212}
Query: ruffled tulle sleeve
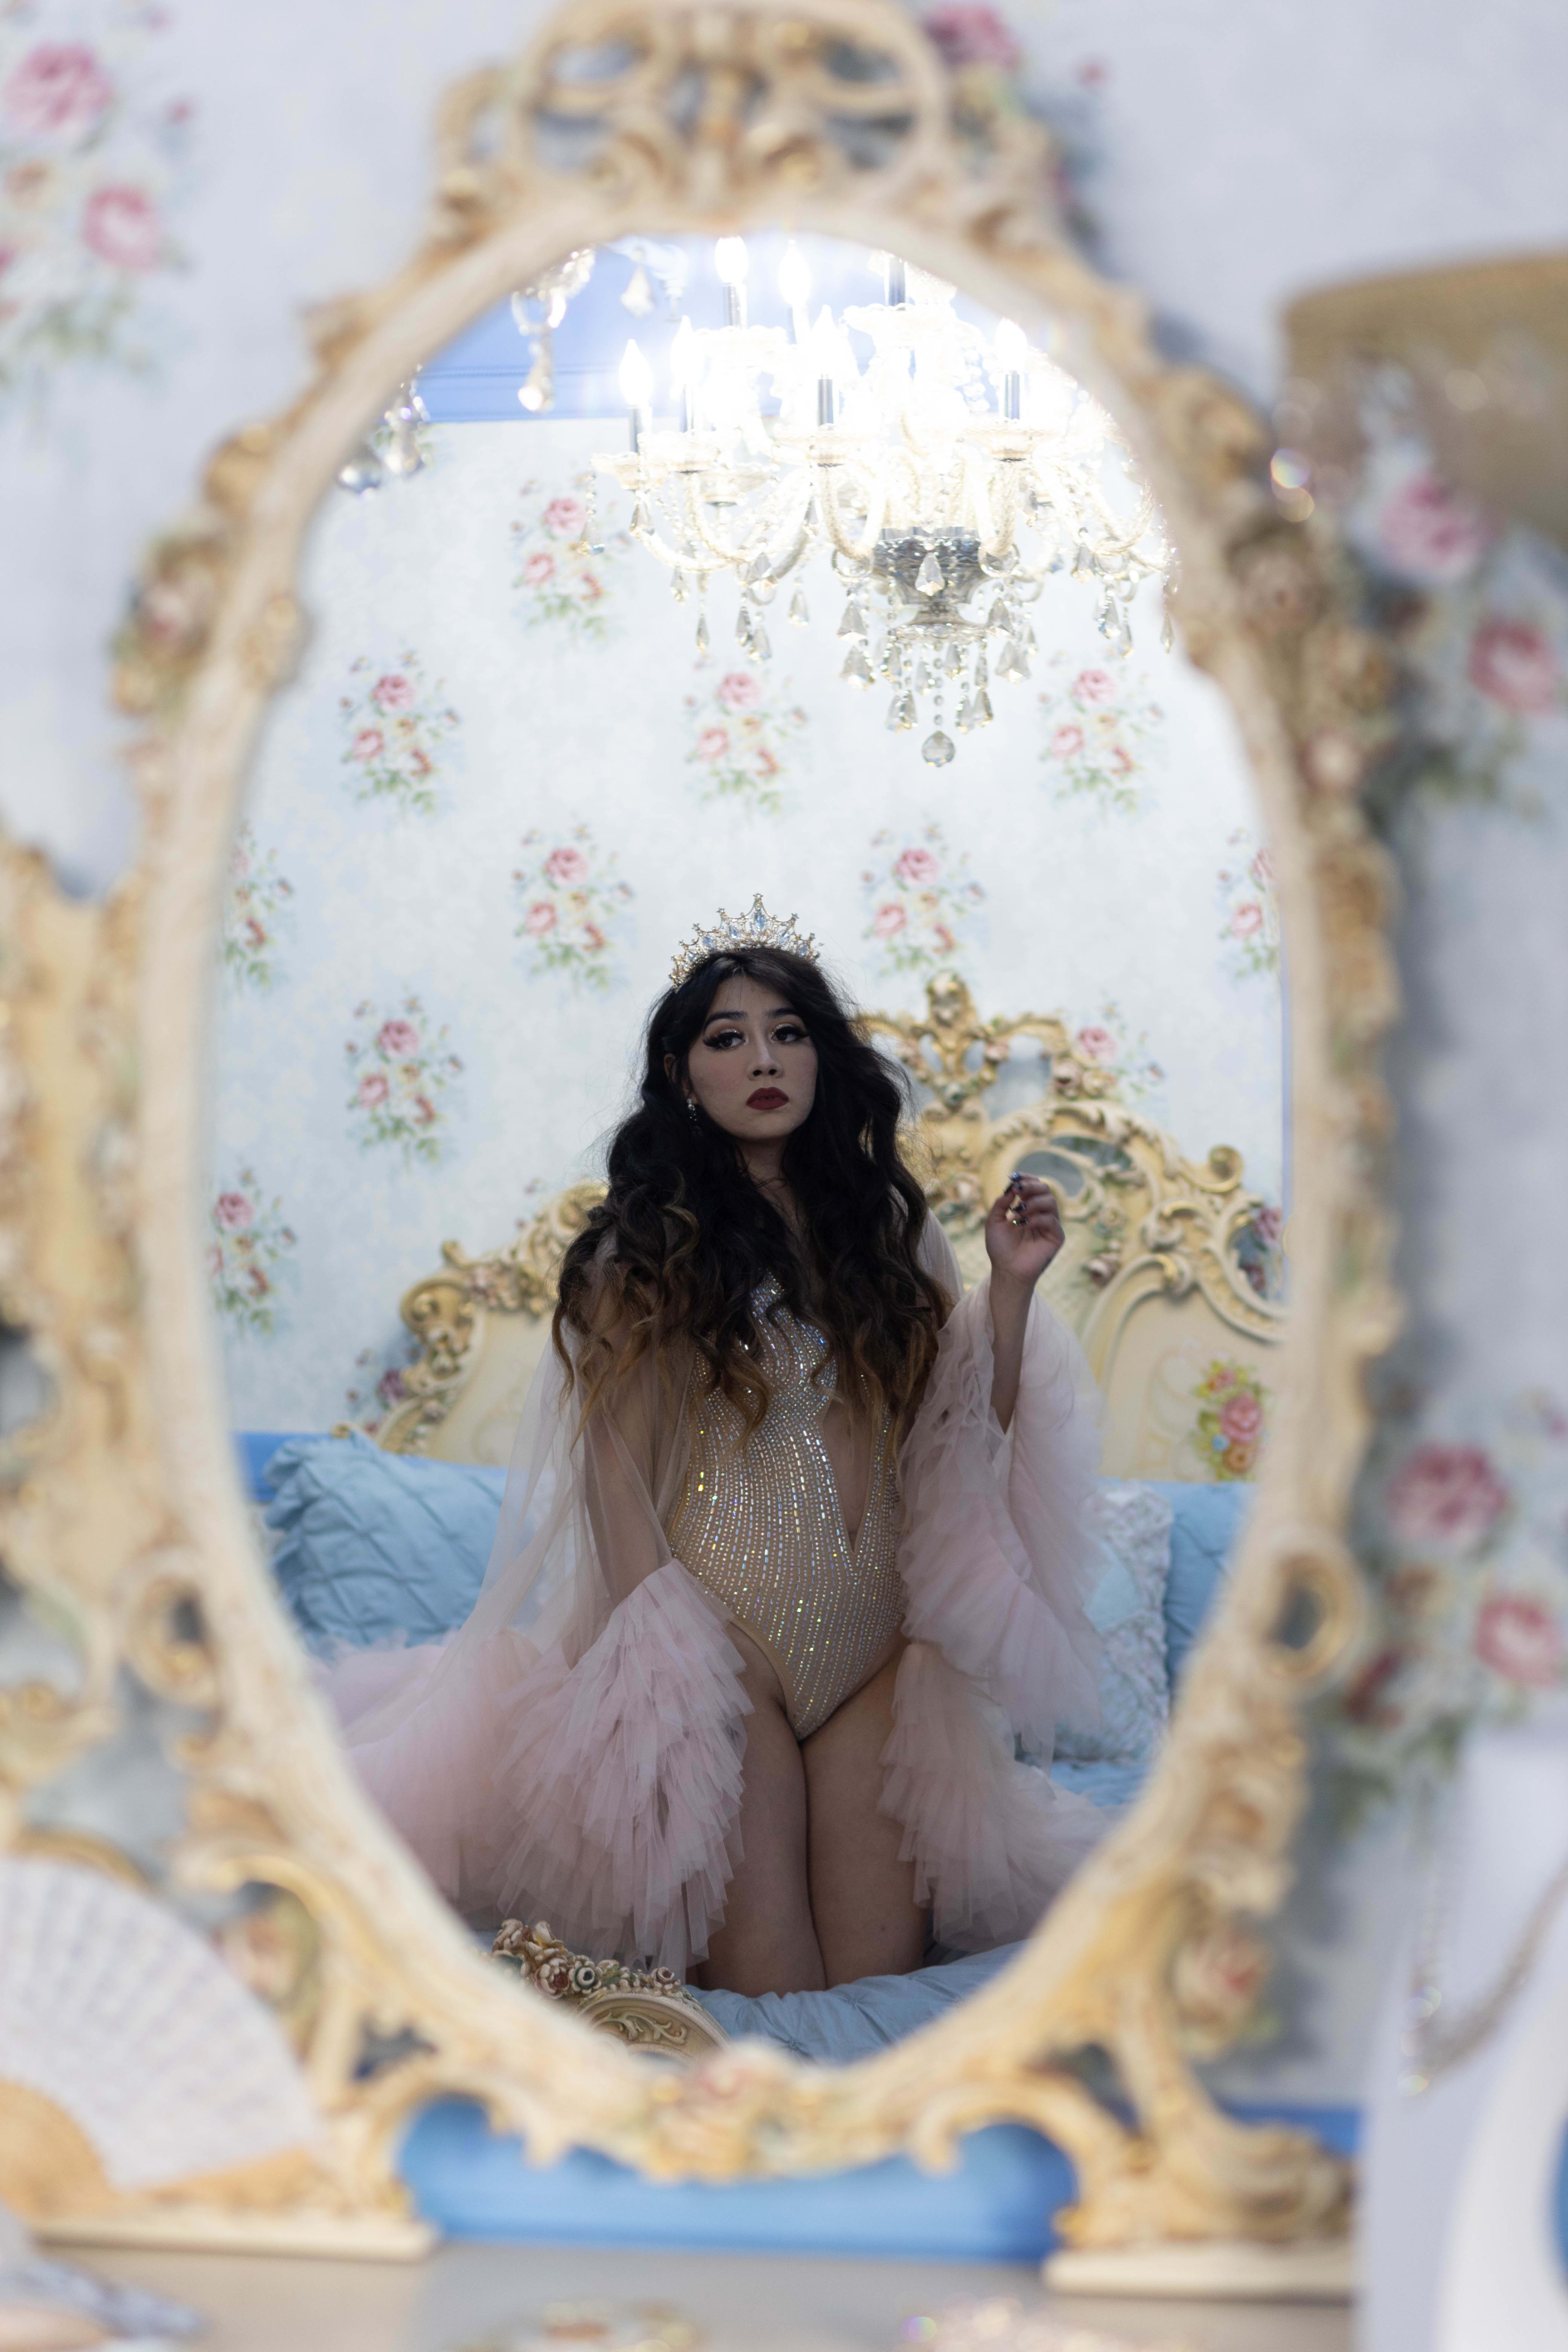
{"x": 998, "y": 1549}
{"x": 574, "y": 1751}
{"x": 997, "y": 1553}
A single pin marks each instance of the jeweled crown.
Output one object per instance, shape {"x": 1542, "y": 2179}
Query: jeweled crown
{"x": 757, "y": 930}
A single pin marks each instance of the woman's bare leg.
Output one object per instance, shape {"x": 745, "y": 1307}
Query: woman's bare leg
{"x": 862, "y": 1895}
{"x": 767, "y": 1942}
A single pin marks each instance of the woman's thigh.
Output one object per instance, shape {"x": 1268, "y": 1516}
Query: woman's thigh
{"x": 862, "y": 1895}
{"x": 766, "y": 1942}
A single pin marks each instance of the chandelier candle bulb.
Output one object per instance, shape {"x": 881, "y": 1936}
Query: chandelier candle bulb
{"x": 794, "y": 285}
{"x": 731, "y": 261}
{"x": 683, "y": 375}
{"x": 637, "y": 391}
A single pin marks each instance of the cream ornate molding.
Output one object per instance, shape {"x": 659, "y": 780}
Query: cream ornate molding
{"x": 121, "y": 1509}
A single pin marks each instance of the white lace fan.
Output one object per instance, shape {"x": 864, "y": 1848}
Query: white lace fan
{"x": 117, "y": 2012}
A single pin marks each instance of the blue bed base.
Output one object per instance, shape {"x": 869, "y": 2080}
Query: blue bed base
{"x": 997, "y": 2205}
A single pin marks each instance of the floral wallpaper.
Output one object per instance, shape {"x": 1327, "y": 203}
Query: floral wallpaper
{"x": 509, "y": 778}
{"x": 1249, "y": 922}
{"x": 256, "y": 918}
{"x": 96, "y": 134}
{"x": 1102, "y": 731}
{"x": 401, "y": 1076}
{"x": 921, "y": 902}
{"x": 249, "y": 1252}
{"x": 395, "y": 729}
{"x": 560, "y": 577}
{"x": 571, "y": 908}
{"x": 744, "y": 730}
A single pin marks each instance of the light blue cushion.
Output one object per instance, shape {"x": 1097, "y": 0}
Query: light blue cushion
{"x": 378, "y": 1547}
{"x": 1205, "y": 1527}
{"x": 1126, "y": 1610}
{"x": 256, "y": 1448}
{"x": 1110, "y": 1785}
{"x": 851, "y": 2021}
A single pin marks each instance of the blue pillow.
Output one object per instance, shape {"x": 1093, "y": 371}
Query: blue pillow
{"x": 378, "y": 1547}
{"x": 1206, "y": 1522}
{"x": 256, "y": 1448}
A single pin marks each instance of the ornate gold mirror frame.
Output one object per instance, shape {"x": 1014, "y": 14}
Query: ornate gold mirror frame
{"x": 122, "y": 1511}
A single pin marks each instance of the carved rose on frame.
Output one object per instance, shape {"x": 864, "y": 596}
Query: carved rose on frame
{"x": 1259, "y": 1249}
{"x": 1098, "y": 727}
{"x": 1232, "y": 1413}
{"x": 402, "y": 1080}
{"x": 1249, "y": 923}
{"x": 256, "y": 914}
{"x": 395, "y": 729}
{"x": 570, "y": 904}
{"x": 249, "y": 1249}
{"x": 742, "y": 732}
{"x": 1468, "y": 1550}
{"x": 920, "y": 902}
{"x": 93, "y": 152}
{"x": 565, "y": 580}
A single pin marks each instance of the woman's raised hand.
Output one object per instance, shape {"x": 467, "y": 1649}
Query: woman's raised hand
{"x": 1023, "y": 1231}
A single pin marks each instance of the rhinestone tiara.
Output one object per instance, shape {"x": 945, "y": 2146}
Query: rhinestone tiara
{"x": 757, "y": 930}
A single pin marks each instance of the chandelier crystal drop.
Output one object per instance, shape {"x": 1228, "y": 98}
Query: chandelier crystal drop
{"x": 944, "y": 477}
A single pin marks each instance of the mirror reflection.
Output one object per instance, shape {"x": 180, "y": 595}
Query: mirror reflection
{"x": 749, "y": 1411}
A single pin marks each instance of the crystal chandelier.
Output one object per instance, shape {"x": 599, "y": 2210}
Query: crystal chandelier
{"x": 946, "y": 478}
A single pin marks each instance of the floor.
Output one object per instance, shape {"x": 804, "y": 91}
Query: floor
{"x": 468, "y": 2298}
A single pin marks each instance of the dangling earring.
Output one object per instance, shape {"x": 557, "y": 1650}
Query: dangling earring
{"x": 691, "y": 1109}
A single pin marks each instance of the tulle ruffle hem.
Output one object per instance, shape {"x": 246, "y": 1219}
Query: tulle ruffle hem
{"x": 992, "y": 1840}
{"x": 620, "y": 1778}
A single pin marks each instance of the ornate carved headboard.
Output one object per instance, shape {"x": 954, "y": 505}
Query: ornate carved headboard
{"x": 1171, "y": 1273}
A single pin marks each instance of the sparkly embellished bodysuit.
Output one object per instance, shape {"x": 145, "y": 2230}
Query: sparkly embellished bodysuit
{"x": 760, "y": 1526}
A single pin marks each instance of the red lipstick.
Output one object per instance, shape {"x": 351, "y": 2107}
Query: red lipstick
{"x": 767, "y": 1098}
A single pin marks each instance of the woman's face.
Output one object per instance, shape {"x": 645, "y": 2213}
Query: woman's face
{"x": 752, "y": 1068}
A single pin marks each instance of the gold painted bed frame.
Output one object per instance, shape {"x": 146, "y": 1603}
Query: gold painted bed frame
{"x": 123, "y": 1510}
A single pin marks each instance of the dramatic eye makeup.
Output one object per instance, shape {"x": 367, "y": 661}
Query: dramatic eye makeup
{"x": 782, "y": 1028}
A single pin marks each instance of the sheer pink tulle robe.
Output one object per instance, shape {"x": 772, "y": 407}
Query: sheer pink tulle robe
{"x": 574, "y": 1751}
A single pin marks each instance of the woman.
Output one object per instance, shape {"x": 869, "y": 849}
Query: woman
{"x": 790, "y": 1563}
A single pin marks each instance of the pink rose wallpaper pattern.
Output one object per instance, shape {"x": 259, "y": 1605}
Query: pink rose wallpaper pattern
{"x": 256, "y": 915}
{"x": 1249, "y": 918}
{"x": 1100, "y": 726}
{"x": 403, "y": 1081}
{"x": 249, "y": 1251}
{"x": 94, "y": 160}
{"x": 742, "y": 732}
{"x": 920, "y": 903}
{"x": 1469, "y": 1542}
{"x": 379, "y": 1384}
{"x": 1483, "y": 623}
{"x": 571, "y": 906}
{"x": 1107, "y": 1059}
{"x": 565, "y": 567}
{"x": 395, "y": 729}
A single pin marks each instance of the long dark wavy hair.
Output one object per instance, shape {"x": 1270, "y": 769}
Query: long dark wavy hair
{"x": 694, "y": 1238}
